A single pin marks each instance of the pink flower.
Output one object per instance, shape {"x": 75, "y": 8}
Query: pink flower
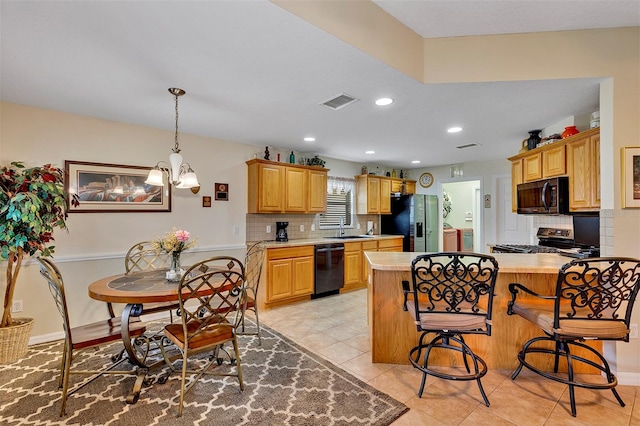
{"x": 182, "y": 235}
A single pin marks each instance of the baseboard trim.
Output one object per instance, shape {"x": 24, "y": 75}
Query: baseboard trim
{"x": 628, "y": 379}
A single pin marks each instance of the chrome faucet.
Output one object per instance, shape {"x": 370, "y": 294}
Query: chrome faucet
{"x": 341, "y": 226}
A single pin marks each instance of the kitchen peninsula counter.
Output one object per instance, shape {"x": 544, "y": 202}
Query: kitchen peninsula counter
{"x": 393, "y": 332}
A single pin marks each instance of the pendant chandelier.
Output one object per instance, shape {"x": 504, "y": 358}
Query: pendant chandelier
{"x": 181, "y": 175}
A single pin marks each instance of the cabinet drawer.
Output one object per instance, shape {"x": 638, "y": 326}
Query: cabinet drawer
{"x": 352, "y": 247}
{"x": 369, "y": 245}
{"x": 382, "y": 244}
{"x": 289, "y": 252}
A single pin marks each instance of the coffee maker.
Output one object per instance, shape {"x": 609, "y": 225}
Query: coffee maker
{"x": 281, "y": 231}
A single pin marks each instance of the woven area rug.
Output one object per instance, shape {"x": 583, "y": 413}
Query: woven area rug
{"x": 284, "y": 385}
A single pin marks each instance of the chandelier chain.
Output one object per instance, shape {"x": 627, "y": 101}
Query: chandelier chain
{"x": 176, "y": 148}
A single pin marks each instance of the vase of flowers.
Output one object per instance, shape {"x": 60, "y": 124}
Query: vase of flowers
{"x": 174, "y": 243}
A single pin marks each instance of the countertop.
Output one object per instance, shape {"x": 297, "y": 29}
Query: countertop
{"x": 322, "y": 240}
{"x": 544, "y": 263}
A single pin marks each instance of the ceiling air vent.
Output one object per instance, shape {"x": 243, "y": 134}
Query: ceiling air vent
{"x": 340, "y": 101}
{"x": 469, "y": 145}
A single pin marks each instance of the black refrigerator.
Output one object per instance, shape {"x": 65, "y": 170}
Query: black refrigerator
{"x": 415, "y": 217}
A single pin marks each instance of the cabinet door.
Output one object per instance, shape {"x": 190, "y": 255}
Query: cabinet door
{"x": 554, "y": 162}
{"x": 532, "y": 167}
{"x": 317, "y": 191}
{"x": 516, "y": 179}
{"x": 297, "y": 183}
{"x": 270, "y": 188}
{"x": 303, "y": 275}
{"x": 595, "y": 166}
{"x": 579, "y": 171}
{"x": 385, "y": 196}
{"x": 373, "y": 195}
{"x": 280, "y": 283}
{"x": 410, "y": 187}
{"x": 394, "y": 244}
{"x": 352, "y": 266}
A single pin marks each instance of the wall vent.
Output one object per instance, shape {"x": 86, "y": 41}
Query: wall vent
{"x": 469, "y": 145}
{"x": 339, "y": 101}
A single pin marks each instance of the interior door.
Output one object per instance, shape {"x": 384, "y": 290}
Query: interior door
{"x": 511, "y": 228}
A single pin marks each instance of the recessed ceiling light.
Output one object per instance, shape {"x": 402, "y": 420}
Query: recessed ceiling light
{"x": 309, "y": 139}
{"x": 384, "y": 101}
{"x": 454, "y": 129}
{"x": 369, "y": 152}
{"x": 415, "y": 162}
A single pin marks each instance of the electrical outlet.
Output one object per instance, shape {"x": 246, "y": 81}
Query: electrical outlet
{"x": 358, "y": 225}
{"x": 313, "y": 227}
{"x": 236, "y": 230}
{"x": 301, "y": 228}
{"x": 16, "y": 306}
{"x": 633, "y": 331}
{"x": 268, "y": 229}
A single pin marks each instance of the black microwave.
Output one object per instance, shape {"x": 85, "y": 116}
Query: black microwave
{"x": 547, "y": 196}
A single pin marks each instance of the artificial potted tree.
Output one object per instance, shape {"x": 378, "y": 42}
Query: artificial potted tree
{"x": 32, "y": 204}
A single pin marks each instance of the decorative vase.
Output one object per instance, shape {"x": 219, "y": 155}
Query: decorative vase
{"x": 569, "y": 131}
{"x": 534, "y": 139}
{"x": 175, "y": 273}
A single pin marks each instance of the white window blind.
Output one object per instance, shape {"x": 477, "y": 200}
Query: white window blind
{"x": 339, "y": 202}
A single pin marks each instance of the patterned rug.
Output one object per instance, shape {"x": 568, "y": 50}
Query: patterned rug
{"x": 284, "y": 385}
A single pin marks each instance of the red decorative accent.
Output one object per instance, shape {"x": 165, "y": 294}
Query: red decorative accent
{"x": 569, "y": 131}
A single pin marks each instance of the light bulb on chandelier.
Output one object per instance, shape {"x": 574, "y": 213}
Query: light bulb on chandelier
{"x": 181, "y": 175}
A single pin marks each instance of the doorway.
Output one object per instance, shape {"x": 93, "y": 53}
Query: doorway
{"x": 461, "y": 208}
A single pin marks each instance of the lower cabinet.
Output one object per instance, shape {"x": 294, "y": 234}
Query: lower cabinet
{"x": 290, "y": 273}
{"x": 355, "y": 264}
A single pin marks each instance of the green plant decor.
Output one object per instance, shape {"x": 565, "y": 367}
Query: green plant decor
{"x": 32, "y": 204}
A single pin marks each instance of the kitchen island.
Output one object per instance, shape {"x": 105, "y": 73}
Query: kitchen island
{"x": 393, "y": 332}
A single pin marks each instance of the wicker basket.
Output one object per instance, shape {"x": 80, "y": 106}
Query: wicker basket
{"x": 14, "y": 340}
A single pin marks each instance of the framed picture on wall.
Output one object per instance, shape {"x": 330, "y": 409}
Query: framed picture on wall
{"x": 630, "y": 177}
{"x": 114, "y": 188}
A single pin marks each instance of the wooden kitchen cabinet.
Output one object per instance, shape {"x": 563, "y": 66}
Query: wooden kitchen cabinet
{"x": 279, "y": 188}
{"x": 290, "y": 273}
{"x": 392, "y": 244}
{"x": 397, "y": 186}
{"x": 554, "y": 162}
{"x": 516, "y": 179}
{"x": 583, "y": 168}
{"x": 373, "y": 194}
{"x": 317, "y": 191}
{"x": 353, "y": 265}
{"x": 532, "y": 167}
{"x": 577, "y": 157}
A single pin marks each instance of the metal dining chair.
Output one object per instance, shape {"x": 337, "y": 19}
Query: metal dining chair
{"x": 84, "y": 336}
{"x": 451, "y": 295}
{"x": 210, "y": 297}
{"x": 593, "y": 300}
{"x": 253, "y": 264}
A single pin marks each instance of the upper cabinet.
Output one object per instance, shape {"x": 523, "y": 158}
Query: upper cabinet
{"x": 577, "y": 157}
{"x": 285, "y": 188}
{"x": 404, "y": 186}
{"x": 373, "y": 194}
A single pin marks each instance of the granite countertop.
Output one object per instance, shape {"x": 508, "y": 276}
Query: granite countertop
{"x": 544, "y": 263}
{"x": 322, "y": 240}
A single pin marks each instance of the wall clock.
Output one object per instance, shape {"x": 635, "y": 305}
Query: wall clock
{"x": 426, "y": 180}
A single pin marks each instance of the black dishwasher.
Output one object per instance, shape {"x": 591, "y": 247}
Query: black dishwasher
{"x": 329, "y": 269}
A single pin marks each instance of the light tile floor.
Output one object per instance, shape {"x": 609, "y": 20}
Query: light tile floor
{"x": 335, "y": 328}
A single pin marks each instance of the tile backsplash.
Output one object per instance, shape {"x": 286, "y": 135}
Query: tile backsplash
{"x": 257, "y": 226}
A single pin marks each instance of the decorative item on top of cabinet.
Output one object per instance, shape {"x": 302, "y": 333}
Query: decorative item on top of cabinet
{"x": 279, "y": 188}
{"x": 570, "y": 131}
{"x": 534, "y": 139}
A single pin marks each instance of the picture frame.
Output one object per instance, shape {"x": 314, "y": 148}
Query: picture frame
{"x": 630, "y": 165}
{"x": 114, "y": 188}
